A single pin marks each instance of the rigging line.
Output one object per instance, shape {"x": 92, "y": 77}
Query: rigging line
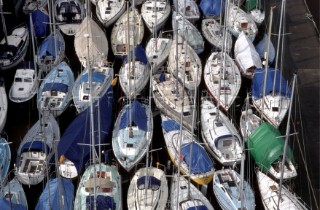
{"x": 303, "y": 159}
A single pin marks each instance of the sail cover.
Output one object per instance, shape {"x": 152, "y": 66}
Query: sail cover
{"x": 41, "y": 23}
{"x": 148, "y": 182}
{"x": 138, "y": 116}
{"x": 245, "y": 53}
{"x": 140, "y": 55}
{"x": 262, "y": 46}
{"x": 55, "y": 86}
{"x": 281, "y": 86}
{"x": 103, "y": 202}
{"x": 97, "y": 41}
{"x": 201, "y": 207}
{"x": 199, "y": 160}
{"x": 6, "y": 205}
{"x": 212, "y": 8}
{"x": 266, "y": 147}
{"x": 78, "y": 132}
{"x": 50, "y": 197}
{"x": 96, "y": 77}
{"x": 35, "y": 146}
{"x": 170, "y": 125}
{"x": 47, "y": 47}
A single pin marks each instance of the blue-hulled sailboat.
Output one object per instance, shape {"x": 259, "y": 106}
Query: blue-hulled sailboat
{"x": 13, "y": 197}
{"x": 272, "y": 99}
{"x": 72, "y": 152}
{"x": 55, "y": 91}
{"x": 5, "y": 158}
{"x": 132, "y": 133}
{"x": 36, "y": 150}
{"x": 58, "y": 194}
{"x": 102, "y": 77}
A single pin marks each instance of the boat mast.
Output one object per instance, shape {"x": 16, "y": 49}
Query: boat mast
{"x": 266, "y": 63}
{"x": 286, "y": 140}
{"x": 129, "y": 67}
{"x": 4, "y": 28}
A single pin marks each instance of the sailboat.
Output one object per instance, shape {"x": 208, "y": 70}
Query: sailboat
{"x": 271, "y": 199}
{"x": 134, "y": 73}
{"x": 266, "y": 147}
{"x": 13, "y": 47}
{"x": 246, "y": 55}
{"x": 72, "y": 152}
{"x": 26, "y": 79}
{"x": 188, "y": 32}
{"x": 184, "y": 195}
{"x": 12, "y": 196}
{"x": 185, "y": 64}
{"x": 255, "y": 8}
{"x": 108, "y": 11}
{"x": 3, "y": 104}
{"x": 5, "y": 159}
{"x": 155, "y": 13}
{"x": 55, "y": 91}
{"x": 69, "y": 15}
{"x": 127, "y": 32}
{"x": 157, "y": 51}
{"x": 98, "y": 50}
{"x": 51, "y": 51}
{"x": 213, "y": 32}
{"x": 148, "y": 189}
{"x": 102, "y": 77}
{"x": 226, "y": 187}
{"x": 57, "y": 194}
{"x": 212, "y": 9}
{"x": 35, "y": 151}
{"x": 171, "y": 98}
{"x": 221, "y": 138}
{"x": 188, "y": 9}
{"x": 194, "y": 160}
{"x": 222, "y": 78}
{"x": 132, "y": 133}
{"x": 238, "y": 20}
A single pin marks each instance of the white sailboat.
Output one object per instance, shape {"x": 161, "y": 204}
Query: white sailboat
{"x": 129, "y": 28}
{"x": 185, "y": 64}
{"x": 184, "y": 195}
{"x": 188, "y": 9}
{"x": 109, "y": 11}
{"x": 221, "y": 137}
{"x": 188, "y": 32}
{"x": 227, "y": 189}
{"x": 155, "y": 13}
{"x": 3, "y": 104}
{"x": 157, "y": 51}
{"x": 36, "y": 151}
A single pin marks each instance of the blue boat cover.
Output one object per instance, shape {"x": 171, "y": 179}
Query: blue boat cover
{"x": 140, "y": 55}
{"x": 138, "y": 116}
{"x": 78, "y": 132}
{"x": 47, "y": 47}
{"x": 162, "y": 77}
{"x": 96, "y": 77}
{"x": 201, "y": 163}
{"x": 55, "y": 86}
{"x": 50, "y": 197}
{"x": 261, "y": 48}
{"x": 170, "y": 125}
{"x": 258, "y": 80}
{"x": 5, "y": 205}
{"x": 202, "y": 207}
{"x": 211, "y": 7}
{"x": 35, "y": 146}
{"x": 151, "y": 181}
{"x": 40, "y": 23}
{"x": 103, "y": 202}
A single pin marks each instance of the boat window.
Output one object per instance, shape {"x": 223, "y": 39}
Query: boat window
{"x": 227, "y": 143}
{"x": 186, "y": 113}
{"x": 18, "y": 79}
{"x": 130, "y": 145}
{"x": 28, "y": 79}
{"x": 275, "y": 109}
{"x": 54, "y": 93}
{"x": 219, "y": 124}
{"x": 212, "y": 113}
